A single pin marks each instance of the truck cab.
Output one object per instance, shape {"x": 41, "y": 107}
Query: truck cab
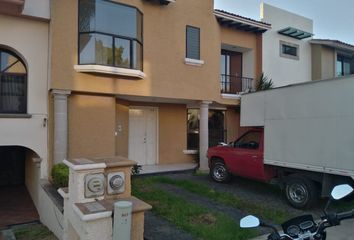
{"x": 243, "y": 157}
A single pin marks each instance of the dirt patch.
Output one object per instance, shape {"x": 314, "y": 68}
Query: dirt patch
{"x": 204, "y": 219}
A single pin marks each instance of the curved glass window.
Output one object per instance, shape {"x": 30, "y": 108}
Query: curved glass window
{"x": 13, "y": 83}
{"x": 110, "y": 34}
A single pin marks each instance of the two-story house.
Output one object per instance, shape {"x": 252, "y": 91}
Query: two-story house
{"x": 148, "y": 80}
{"x": 24, "y": 46}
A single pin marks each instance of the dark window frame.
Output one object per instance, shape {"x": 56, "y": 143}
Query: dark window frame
{"x": 25, "y": 79}
{"x": 197, "y": 28}
{"x": 283, "y": 44}
{"x": 115, "y": 36}
{"x": 343, "y": 59}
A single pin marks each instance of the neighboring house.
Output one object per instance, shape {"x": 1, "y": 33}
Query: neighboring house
{"x": 144, "y": 79}
{"x": 24, "y": 32}
{"x": 286, "y": 47}
{"x": 331, "y": 58}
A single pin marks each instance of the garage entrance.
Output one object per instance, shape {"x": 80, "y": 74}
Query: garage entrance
{"x": 16, "y": 205}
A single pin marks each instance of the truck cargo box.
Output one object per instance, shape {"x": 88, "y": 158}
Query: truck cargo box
{"x": 307, "y": 126}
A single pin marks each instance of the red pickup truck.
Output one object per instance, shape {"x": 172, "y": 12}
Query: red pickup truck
{"x": 244, "y": 157}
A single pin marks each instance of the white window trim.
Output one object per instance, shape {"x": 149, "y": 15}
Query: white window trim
{"x": 110, "y": 70}
{"x": 193, "y": 62}
{"x": 230, "y": 96}
{"x": 190, "y": 152}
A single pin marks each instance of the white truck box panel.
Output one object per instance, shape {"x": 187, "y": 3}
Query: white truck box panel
{"x": 253, "y": 109}
{"x": 307, "y": 126}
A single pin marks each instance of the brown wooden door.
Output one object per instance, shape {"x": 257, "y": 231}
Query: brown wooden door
{"x": 236, "y": 71}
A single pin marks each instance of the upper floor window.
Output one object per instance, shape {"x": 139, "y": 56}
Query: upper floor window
{"x": 110, "y": 34}
{"x": 13, "y": 83}
{"x": 344, "y": 66}
{"x": 193, "y": 42}
{"x": 289, "y": 50}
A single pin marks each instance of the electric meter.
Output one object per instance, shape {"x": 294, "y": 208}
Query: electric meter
{"x": 116, "y": 182}
{"x": 94, "y": 185}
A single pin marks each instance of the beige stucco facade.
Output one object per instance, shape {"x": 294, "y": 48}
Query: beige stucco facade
{"x": 323, "y": 62}
{"x": 98, "y": 104}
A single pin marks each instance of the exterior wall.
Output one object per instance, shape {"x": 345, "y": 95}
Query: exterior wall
{"x": 323, "y": 62}
{"x": 328, "y": 63}
{"x": 284, "y": 71}
{"x": 234, "y": 130}
{"x": 32, "y": 176}
{"x": 122, "y": 128}
{"x": 37, "y": 9}
{"x": 95, "y": 116}
{"x": 173, "y": 134}
{"x": 30, "y": 132}
{"x": 166, "y": 73}
{"x": 91, "y": 126}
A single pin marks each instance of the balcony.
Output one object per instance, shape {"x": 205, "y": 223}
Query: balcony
{"x": 232, "y": 84}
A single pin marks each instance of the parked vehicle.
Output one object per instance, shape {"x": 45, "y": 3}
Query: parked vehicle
{"x": 302, "y": 139}
{"x": 304, "y": 227}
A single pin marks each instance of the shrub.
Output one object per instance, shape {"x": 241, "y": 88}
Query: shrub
{"x": 60, "y": 175}
{"x": 136, "y": 169}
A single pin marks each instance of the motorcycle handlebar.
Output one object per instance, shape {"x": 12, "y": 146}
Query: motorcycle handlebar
{"x": 345, "y": 215}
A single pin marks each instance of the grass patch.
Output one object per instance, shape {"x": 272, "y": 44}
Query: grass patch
{"x": 34, "y": 232}
{"x": 198, "y": 221}
{"x": 343, "y": 205}
{"x": 275, "y": 215}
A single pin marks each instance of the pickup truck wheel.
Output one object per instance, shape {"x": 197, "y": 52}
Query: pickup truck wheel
{"x": 219, "y": 172}
{"x": 301, "y": 193}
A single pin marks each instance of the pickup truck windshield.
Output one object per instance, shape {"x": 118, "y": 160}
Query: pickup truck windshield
{"x": 249, "y": 140}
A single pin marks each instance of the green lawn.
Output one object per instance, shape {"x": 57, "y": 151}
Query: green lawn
{"x": 33, "y": 232}
{"x": 274, "y": 215}
{"x": 196, "y": 220}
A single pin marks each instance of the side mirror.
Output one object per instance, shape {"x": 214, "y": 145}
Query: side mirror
{"x": 249, "y": 222}
{"x": 341, "y": 191}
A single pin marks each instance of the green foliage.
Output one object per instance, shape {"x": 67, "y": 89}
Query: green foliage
{"x": 276, "y": 215}
{"x": 60, "y": 175}
{"x": 136, "y": 169}
{"x": 34, "y": 232}
{"x": 192, "y": 218}
{"x": 264, "y": 83}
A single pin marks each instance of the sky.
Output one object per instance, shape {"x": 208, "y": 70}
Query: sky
{"x": 332, "y": 19}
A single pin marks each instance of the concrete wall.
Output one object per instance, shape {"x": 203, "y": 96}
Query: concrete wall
{"x": 29, "y": 39}
{"x": 284, "y": 71}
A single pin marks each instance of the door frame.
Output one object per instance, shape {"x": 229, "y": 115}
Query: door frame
{"x": 157, "y": 127}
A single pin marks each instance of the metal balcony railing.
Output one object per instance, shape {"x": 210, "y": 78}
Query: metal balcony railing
{"x": 232, "y": 84}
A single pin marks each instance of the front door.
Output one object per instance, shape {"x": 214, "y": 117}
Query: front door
{"x": 143, "y": 135}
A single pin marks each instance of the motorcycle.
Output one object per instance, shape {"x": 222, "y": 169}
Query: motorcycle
{"x": 304, "y": 227}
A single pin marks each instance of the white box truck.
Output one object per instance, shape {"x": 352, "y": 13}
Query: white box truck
{"x": 303, "y": 139}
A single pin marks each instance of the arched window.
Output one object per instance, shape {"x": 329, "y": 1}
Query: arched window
{"x": 13, "y": 83}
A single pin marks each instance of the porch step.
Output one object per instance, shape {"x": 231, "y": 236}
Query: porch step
{"x": 167, "y": 168}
